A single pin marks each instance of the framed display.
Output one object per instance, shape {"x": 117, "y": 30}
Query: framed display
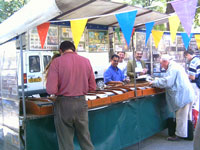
{"x": 120, "y": 44}
{"x": 140, "y": 45}
{"x": 51, "y": 42}
{"x": 65, "y": 33}
{"x": 140, "y": 38}
{"x": 98, "y": 41}
{"x": 180, "y": 44}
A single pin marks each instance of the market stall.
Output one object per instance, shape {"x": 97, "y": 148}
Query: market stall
{"x": 124, "y": 117}
{"x": 115, "y": 126}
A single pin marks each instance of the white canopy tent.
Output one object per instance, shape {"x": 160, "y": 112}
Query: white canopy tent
{"x": 36, "y": 12}
{"x": 100, "y": 12}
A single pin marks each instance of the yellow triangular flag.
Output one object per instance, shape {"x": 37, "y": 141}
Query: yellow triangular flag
{"x": 174, "y": 23}
{"x": 157, "y": 35}
{"x": 197, "y": 37}
{"x": 77, "y": 27}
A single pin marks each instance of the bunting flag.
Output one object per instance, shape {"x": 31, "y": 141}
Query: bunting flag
{"x": 126, "y": 22}
{"x": 197, "y": 37}
{"x": 42, "y": 31}
{"x": 185, "y": 9}
{"x": 186, "y": 39}
{"x": 149, "y": 27}
{"x": 157, "y": 35}
{"x": 77, "y": 27}
{"x": 174, "y": 23}
{"x": 117, "y": 30}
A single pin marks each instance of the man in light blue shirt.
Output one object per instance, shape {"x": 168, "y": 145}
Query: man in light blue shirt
{"x": 113, "y": 75}
{"x": 179, "y": 94}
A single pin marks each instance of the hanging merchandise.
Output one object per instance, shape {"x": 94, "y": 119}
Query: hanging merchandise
{"x": 126, "y": 22}
{"x": 197, "y": 38}
{"x": 42, "y": 31}
{"x": 157, "y": 35}
{"x": 77, "y": 27}
{"x": 186, "y": 39}
{"x": 185, "y": 9}
{"x": 149, "y": 27}
{"x": 174, "y": 23}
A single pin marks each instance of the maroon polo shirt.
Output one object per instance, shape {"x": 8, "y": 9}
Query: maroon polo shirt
{"x": 70, "y": 75}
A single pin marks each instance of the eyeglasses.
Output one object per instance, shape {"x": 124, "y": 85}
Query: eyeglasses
{"x": 116, "y": 61}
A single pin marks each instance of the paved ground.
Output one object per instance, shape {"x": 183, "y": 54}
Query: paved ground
{"x": 156, "y": 142}
{"x": 159, "y": 142}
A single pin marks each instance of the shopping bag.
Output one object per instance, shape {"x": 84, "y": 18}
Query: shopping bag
{"x": 195, "y": 114}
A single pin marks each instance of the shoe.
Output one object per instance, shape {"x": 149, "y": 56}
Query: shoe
{"x": 174, "y": 138}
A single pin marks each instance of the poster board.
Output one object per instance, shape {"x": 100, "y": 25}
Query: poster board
{"x": 51, "y": 42}
{"x": 98, "y": 40}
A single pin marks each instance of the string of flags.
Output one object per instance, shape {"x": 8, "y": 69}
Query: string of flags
{"x": 126, "y": 22}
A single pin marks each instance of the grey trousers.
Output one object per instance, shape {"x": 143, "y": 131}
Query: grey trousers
{"x": 196, "y": 145}
{"x": 71, "y": 116}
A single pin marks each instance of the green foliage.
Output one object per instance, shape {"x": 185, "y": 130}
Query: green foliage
{"x": 197, "y": 18}
{"x": 160, "y": 27}
{"x": 8, "y": 7}
{"x": 151, "y": 4}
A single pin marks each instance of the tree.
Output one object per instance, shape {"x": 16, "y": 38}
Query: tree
{"x": 9, "y": 7}
{"x": 164, "y": 7}
{"x": 197, "y": 16}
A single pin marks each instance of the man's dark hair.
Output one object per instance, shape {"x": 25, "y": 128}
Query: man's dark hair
{"x": 114, "y": 56}
{"x": 189, "y": 51}
{"x": 65, "y": 45}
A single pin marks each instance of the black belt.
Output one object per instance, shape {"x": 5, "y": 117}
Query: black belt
{"x": 71, "y": 96}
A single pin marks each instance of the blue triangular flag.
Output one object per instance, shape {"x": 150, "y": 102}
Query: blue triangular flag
{"x": 149, "y": 27}
{"x": 186, "y": 39}
{"x": 126, "y": 22}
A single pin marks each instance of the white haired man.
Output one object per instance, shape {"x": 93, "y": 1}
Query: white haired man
{"x": 179, "y": 94}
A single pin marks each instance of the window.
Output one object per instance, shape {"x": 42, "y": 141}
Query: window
{"x": 34, "y": 64}
{"x": 46, "y": 58}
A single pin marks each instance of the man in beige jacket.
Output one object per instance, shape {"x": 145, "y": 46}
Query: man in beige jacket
{"x": 138, "y": 64}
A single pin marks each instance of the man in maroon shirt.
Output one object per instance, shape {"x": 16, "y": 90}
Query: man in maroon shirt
{"x": 70, "y": 77}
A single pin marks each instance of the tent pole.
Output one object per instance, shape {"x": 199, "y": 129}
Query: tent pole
{"x": 133, "y": 66}
{"x": 151, "y": 56}
{"x": 22, "y": 77}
